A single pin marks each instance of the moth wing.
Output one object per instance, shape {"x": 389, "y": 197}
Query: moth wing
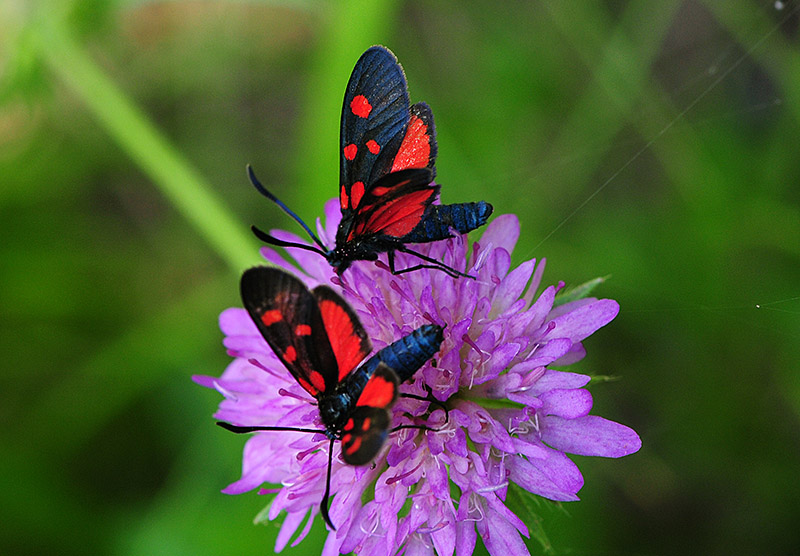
{"x": 289, "y": 319}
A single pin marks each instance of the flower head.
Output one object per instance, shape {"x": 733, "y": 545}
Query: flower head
{"x": 509, "y": 417}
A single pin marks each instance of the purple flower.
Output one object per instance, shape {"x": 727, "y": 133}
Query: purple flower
{"x": 511, "y": 418}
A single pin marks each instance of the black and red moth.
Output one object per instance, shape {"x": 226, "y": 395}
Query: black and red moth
{"x": 386, "y": 190}
{"x": 319, "y": 339}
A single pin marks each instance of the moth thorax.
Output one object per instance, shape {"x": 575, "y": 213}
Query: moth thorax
{"x": 334, "y": 410}
{"x": 355, "y": 250}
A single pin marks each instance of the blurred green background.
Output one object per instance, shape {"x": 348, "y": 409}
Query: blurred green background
{"x": 655, "y": 142}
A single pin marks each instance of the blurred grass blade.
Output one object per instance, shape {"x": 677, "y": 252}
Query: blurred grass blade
{"x": 147, "y": 146}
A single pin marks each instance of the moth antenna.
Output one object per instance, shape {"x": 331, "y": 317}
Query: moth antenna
{"x": 272, "y": 240}
{"x": 263, "y": 190}
{"x": 243, "y": 430}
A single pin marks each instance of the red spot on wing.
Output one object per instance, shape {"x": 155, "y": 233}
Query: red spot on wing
{"x": 343, "y": 198}
{"x": 302, "y": 330}
{"x": 317, "y": 381}
{"x": 373, "y": 146}
{"x": 360, "y": 106}
{"x": 342, "y": 335}
{"x": 396, "y": 218}
{"x": 356, "y": 192}
{"x": 350, "y": 151}
{"x": 311, "y": 380}
{"x": 415, "y": 150}
{"x": 271, "y": 317}
{"x": 365, "y": 425}
{"x": 381, "y": 190}
{"x": 307, "y": 386}
{"x": 353, "y": 448}
{"x": 349, "y": 425}
{"x": 378, "y": 392}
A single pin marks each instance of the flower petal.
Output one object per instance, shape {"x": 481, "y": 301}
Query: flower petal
{"x": 237, "y": 322}
{"x": 569, "y": 404}
{"x": 444, "y": 539}
{"x": 554, "y": 477}
{"x": 290, "y": 524}
{"x": 544, "y": 354}
{"x": 466, "y": 536}
{"x": 499, "y": 537}
{"x": 511, "y": 287}
{"x": 580, "y": 323}
{"x": 502, "y": 232}
{"x": 417, "y": 547}
{"x": 559, "y": 379}
{"x": 590, "y": 436}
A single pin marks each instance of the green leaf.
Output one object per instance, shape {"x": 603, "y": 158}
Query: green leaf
{"x": 262, "y": 517}
{"x": 578, "y": 292}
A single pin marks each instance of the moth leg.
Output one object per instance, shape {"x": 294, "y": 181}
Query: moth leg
{"x": 430, "y": 399}
{"x": 435, "y": 265}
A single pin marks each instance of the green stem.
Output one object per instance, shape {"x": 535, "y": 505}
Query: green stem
{"x": 146, "y": 145}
